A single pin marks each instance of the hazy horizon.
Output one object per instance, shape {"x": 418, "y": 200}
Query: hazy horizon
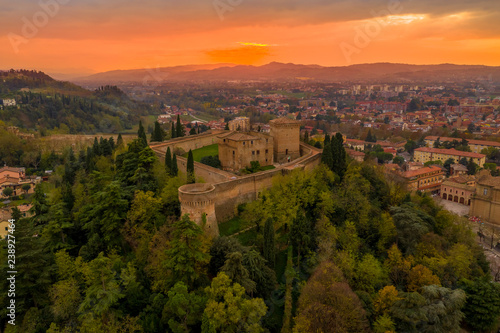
{"x": 86, "y": 37}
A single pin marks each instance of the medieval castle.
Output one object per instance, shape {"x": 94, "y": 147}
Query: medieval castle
{"x": 216, "y": 199}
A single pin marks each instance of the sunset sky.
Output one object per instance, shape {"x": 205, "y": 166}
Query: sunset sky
{"x": 87, "y": 36}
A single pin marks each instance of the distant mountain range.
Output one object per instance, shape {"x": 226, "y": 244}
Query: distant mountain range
{"x": 383, "y": 72}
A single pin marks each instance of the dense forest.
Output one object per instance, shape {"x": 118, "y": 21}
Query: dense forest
{"x": 44, "y": 104}
{"x": 338, "y": 249}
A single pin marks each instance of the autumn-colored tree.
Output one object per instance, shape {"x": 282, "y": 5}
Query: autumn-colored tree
{"x": 420, "y": 276}
{"x": 327, "y": 304}
{"x": 397, "y": 266}
{"x": 385, "y": 299}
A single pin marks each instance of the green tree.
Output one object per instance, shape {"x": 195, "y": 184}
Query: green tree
{"x": 300, "y": 235}
{"x": 369, "y": 274}
{"x": 104, "y": 219}
{"x": 327, "y": 157}
{"x": 179, "y": 129}
{"x": 306, "y": 137}
{"x": 141, "y": 134}
{"x": 34, "y": 266}
{"x": 482, "y": 308}
{"x": 102, "y": 288}
{"x": 168, "y": 162}
{"x": 173, "y": 132}
{"x": 186, "y": 257}
{"x": 399, "y": 160}
{"x": 434, "y": 309}
{"x": 289, "y": 277}
{"x": 158, "y": 134}
{"x": 174, "y": 170}
{"x": 384, "y": 324}
{"x": 269, "y": 248}
{"x": 183, "y": 308}
{"x": 472, "y": 167}
{"x": 238, "y": 273}
{"x": 26, "y": 187}
{"x": 119, "y": 141}
{"x": 190, "y": 168}
{"x": 228, "y": 310}
{"x": 8, "y": 191}
{"x": 227, "y": 126}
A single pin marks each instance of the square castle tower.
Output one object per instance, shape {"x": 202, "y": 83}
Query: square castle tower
{"x": 286, "y": 137}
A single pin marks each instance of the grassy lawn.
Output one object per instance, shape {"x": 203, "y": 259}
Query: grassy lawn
{"x": 230, "y": 227}
{"x": 268, "y": 167}
{"x": 199, "y": 153}
{"x": 248, "y": 238}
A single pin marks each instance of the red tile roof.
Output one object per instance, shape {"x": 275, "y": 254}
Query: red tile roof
{"x": 450, "y": 152}
{"x": 414, "y": 173}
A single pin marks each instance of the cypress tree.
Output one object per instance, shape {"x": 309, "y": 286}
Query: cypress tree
{"x": 327, "y": 139}
{"x": 227, "y": 126}
{"x": 168, "y": 162}
{"x": 96, "y": 149}
{"x": 190, "y": 168}
{"x": 173, "y": 134}
{"x": 342, "y": 166}
{"x": 141, "y": 133}
{"x": 174, "y": 170}
{"x": 157, "y": 134}
{"x": 326, "y": 157}
{"x": 178, "y": 129}
{"x": 269, "y": 246}
{"x": 306, "y": 137}
{"x": 111, "y": 142}
{"x": 119, "y": 141}
{"x": 369, "y": 136}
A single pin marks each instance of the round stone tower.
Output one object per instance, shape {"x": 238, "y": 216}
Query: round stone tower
{"x": 198, "y": 200}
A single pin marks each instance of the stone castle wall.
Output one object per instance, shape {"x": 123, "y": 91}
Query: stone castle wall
{"x": 188, "y": 142}
{"x": 203, "y": 172}
{"x": 230, "y": 190}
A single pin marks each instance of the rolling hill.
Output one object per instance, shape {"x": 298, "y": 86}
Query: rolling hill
{"x": 380, "y": 72}
{"x": 43, "y": 103}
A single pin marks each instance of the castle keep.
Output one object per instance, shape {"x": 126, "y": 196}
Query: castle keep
{"x": 286, "y": 135}
{"x": 237, "y": 150}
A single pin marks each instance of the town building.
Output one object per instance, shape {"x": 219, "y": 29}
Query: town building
{"x": 486, "y": 201}
{"x": 458, "y": 189}
{"x": 426, "y": 154}
{"x": 356, "y": 155}
{"x": 475, "y": 145}
{"x": 15, "y": 178}
{"x": 427, "y": 179}
{"x": 240, "y": 124}
{"x": 9, "y": 102}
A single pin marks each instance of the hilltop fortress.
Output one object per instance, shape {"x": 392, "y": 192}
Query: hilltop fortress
{"x": 216, "y": 199}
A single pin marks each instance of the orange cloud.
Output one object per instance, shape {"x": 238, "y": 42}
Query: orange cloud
{"x": 248, "y": 54}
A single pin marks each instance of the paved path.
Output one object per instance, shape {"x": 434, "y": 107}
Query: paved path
{"x": 454, "y": 207}
{"x": 196, "y": 118}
